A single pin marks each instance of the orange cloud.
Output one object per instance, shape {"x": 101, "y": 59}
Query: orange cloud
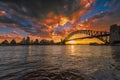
{"x": 15, "y": 32}
{"x": 9, "y": 38}
{"x": 2, "y": 12}
{"x": 53, "y": 19}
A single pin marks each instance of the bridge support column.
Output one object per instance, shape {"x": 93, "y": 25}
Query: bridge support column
{"x": 107, "y": 40}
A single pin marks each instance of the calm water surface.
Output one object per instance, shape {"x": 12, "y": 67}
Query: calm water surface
{"x": 71, "y": 62}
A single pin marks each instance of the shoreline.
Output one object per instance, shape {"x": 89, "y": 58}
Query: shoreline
{"x": 66, "y": 45}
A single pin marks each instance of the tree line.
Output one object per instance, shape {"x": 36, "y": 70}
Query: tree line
{"x": 28, "y": 41}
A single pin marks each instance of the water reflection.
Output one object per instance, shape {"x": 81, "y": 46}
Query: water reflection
{"x": 14, "y": 54}
{"x": 71, "y": 62}
{"x": 116, "y": 56}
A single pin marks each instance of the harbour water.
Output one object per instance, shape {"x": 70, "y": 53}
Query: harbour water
{"x": 54, "y": 62}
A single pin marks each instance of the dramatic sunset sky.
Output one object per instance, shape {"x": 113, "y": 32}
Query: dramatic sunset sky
{"x": 54, "y": 19}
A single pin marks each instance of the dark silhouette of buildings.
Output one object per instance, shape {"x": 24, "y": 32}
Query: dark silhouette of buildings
{"x": 28, "y": 41}
{"x": 32, "y": 42}
{"x": 13, "y": 42}
{"x": 36, "y": 42}
{"x": 5, "y": 42}
{"x": 46, "y": 42}
{"x": 23, "y": 42}
{"x": 115, "y": 34}
{"x": 51, "y": 42}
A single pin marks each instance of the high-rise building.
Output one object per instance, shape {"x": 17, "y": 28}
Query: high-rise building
{"x": 114, "y": 34}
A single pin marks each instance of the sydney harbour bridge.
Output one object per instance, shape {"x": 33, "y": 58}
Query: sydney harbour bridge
{"x": 101, "y": 35}
{"x": 104, "y": 36}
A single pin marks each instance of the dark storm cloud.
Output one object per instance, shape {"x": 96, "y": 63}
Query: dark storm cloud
{"x": 40, "y": 8}
{"x": 37, "y": 8}
{"x": 26, "y": 14}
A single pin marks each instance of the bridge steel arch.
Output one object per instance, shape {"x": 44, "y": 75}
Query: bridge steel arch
{"x": 101, "y": 35}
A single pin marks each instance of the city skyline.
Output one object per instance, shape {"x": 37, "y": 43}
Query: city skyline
{"x": 45, "y": 19}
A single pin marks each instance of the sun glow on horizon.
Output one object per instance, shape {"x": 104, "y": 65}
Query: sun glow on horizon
{"x": 71, "y": 42}
{"x": 85, "y": 41}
